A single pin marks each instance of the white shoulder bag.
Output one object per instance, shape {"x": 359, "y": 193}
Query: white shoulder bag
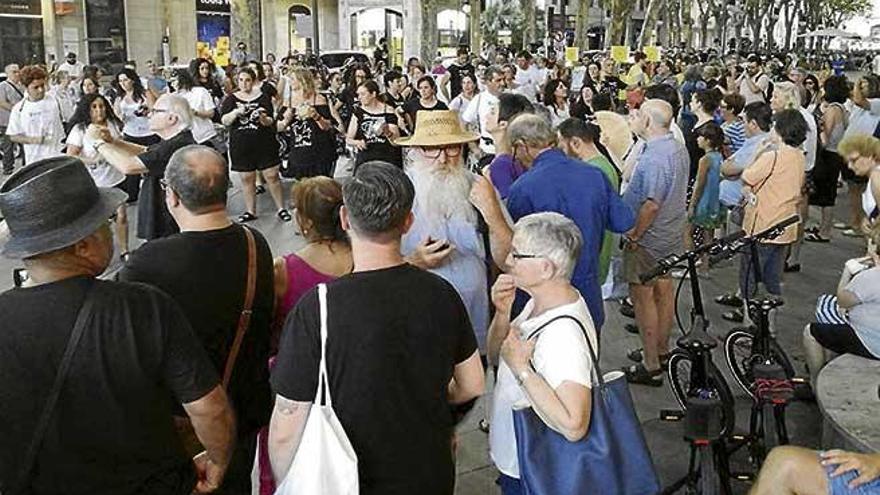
{"x": 325, "y": 462}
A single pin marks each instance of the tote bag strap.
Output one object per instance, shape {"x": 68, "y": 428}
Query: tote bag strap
{"x": 600, "y": 377}
{"x": 322, "y": 367}
{"x": 30, "y": 457}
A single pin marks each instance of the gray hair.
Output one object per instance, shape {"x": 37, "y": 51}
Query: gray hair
{"x": 789, "y": 92}
{"x": 198, "y": 176}
{"x": 491, "y": 72}
{"x": 180, "y": 107}
{"x": 531, "y": 129}
{"x": 378, "y": 199}
{"x": 552, "y": 236}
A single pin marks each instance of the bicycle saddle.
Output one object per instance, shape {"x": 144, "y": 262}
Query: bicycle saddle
{"x": 697, "y": 340}
{"x": 765, "y": 302}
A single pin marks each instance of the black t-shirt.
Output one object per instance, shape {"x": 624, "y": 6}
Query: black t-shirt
{"x": 389, "y": 365}
{"x": 112, "y": 431}
{"x": 205, "y": 272}
{"x": 414, "y": 106}
{"x": 456, "y": 72}
{"x": 154, "y": 220}
{"x": 612, "y": 86}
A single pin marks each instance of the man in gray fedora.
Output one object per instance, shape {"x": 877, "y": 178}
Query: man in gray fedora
{"x": 88, "y": 367}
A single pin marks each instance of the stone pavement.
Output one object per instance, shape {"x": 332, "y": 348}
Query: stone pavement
{"x": 476, "y": 474}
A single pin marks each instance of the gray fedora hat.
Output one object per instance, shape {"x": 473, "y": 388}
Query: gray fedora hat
{"x": 51, "y": 204}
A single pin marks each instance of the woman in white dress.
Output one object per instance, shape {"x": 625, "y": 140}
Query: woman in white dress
{"x": 95, "y": 110}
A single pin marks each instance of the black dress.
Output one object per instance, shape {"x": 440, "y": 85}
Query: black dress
{"x": 251, "y": 146}
{"x": 378, "y": 146}
{"x": 311, "y": 151}
{"x": 415, "y": 106}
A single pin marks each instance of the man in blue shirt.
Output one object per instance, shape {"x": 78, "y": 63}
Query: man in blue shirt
{"x": 758, "y": 119}
{"x": 555, "y": 182}
{"x": 657, "y": 192}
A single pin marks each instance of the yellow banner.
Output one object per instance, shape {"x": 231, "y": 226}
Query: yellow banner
{"x": 571, "y": 54}
{"x": 620, "y": 54}
{"x": 653, "y": 53}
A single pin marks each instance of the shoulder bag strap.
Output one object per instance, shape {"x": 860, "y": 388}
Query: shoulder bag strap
{"x": 599, "y": 375}
{"x": 323, "y": 384}
{"x": 244, "y": 320}
{"x": 82, "y": 318}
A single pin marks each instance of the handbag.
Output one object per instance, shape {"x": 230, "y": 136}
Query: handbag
{"x": 612, "y": 459}
{"x": 325, "y": 462}
{"x": 191, "y": 443}
{"x": 30, "y": 457}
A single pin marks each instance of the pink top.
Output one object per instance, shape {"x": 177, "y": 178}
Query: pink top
{"x": 300, "y": 278}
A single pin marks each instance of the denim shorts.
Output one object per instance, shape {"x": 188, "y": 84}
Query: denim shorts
{"x": 840, "y": 484}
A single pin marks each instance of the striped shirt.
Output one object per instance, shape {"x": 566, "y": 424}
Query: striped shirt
{"x": 734, "y": 134}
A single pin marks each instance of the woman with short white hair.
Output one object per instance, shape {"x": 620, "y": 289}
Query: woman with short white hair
{"x": 545, "y": 362}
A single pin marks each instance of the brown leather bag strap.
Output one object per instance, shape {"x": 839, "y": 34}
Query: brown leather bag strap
{"x": 244, "y": 320}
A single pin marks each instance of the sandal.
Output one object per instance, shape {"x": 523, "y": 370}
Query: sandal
{"x": 260, "y": 189}
{"x": 731, "y": 300}
{"x": 639, "y": 375}
{"x": 637, "y": 355}
{"x": 284, "y": 215}
{"x": 812, "y": 230}
{"x": 852, "y": 233}
{"x": 246, "y": 217}
{"x": 631, "y": 328}
{"x": 736, "y": 316}
{"x": 815, "y": 237}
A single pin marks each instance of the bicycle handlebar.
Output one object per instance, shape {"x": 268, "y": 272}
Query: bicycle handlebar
{"x": 719, "y": 249}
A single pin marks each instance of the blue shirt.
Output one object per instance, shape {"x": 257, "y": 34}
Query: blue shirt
{"x": 563, "y": 185}
{"x": 730, "y": 192}
{"x": 661, "y": 175}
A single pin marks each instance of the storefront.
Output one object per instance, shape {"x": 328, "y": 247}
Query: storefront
{"x": 106, "y": 34}
{"x": 21, "y": 32}
{"x": 213, "y": 21}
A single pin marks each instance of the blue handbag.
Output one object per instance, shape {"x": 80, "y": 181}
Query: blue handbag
{"x": 612, "y": 459}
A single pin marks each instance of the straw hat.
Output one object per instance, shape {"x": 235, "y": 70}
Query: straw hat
{"x": 437, "y": 128}
{"x": 616, "y": 134}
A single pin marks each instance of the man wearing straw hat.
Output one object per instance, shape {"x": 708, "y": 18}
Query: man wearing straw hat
{"x": 88, "y": 367}
{"x": 445, "y": 237}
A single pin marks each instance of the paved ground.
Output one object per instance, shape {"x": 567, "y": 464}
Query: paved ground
{"x": 476, "y": 474}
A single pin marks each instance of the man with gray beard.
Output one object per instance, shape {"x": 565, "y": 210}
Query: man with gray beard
{"x": 445, "y": 237}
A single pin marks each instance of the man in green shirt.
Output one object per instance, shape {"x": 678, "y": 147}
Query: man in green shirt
{"x": 579, "y": 139}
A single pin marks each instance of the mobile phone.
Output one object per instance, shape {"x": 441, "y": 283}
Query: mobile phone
{"x": 19, "y": 276}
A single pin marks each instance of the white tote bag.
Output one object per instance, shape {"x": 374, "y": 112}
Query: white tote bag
{"x": 325, "y": 463}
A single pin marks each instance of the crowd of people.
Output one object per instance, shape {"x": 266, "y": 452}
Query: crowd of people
{"x": 457, "y": 219}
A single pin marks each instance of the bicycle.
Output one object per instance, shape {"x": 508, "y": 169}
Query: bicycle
{"x": 704, "y": 396}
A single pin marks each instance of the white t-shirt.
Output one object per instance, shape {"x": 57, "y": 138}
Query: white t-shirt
{"x": 763, "y": 82}
{"x": 104, "y": 174}
{"x": 38, "y": 118}
{"x": 476, "y": 114}
{"x": 200, "y": 100}
{"x": 73, "y": 70}
{"x": 865, "y": 316}
{"x": 527, "y": 82}
{"x": 810, "y": 143}
{"x": 561, "y": 354}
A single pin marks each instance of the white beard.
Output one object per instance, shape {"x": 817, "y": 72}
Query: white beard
{"x": 442, "y": 194}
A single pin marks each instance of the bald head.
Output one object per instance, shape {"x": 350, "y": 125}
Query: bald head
{"x": 660, "y": 113}
{"x": 198, "y": 176}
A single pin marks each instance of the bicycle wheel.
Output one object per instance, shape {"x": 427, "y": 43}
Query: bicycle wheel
{"x": 679, "y": 374}
{"x": 710, "y": 484}
{"x": 740, "y": 359}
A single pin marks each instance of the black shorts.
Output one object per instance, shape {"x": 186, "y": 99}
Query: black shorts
{"x": 841, "y": 339}
{"x": 253, "y": 152}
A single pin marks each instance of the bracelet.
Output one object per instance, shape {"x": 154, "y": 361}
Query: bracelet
{"x": 521, "y": 377}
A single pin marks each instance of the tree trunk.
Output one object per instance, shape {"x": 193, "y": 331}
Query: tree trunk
{"x": 429, "y": 31}
{"x": 651, "y": 12}
{"x": 620, "y": 13}
{"x": 687, "y": 23}
{"x": 245, "y": 26}
{"x": 528, "y": 9}
{"x": 582, "y": 40}
{"x": 476, "y": 42}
